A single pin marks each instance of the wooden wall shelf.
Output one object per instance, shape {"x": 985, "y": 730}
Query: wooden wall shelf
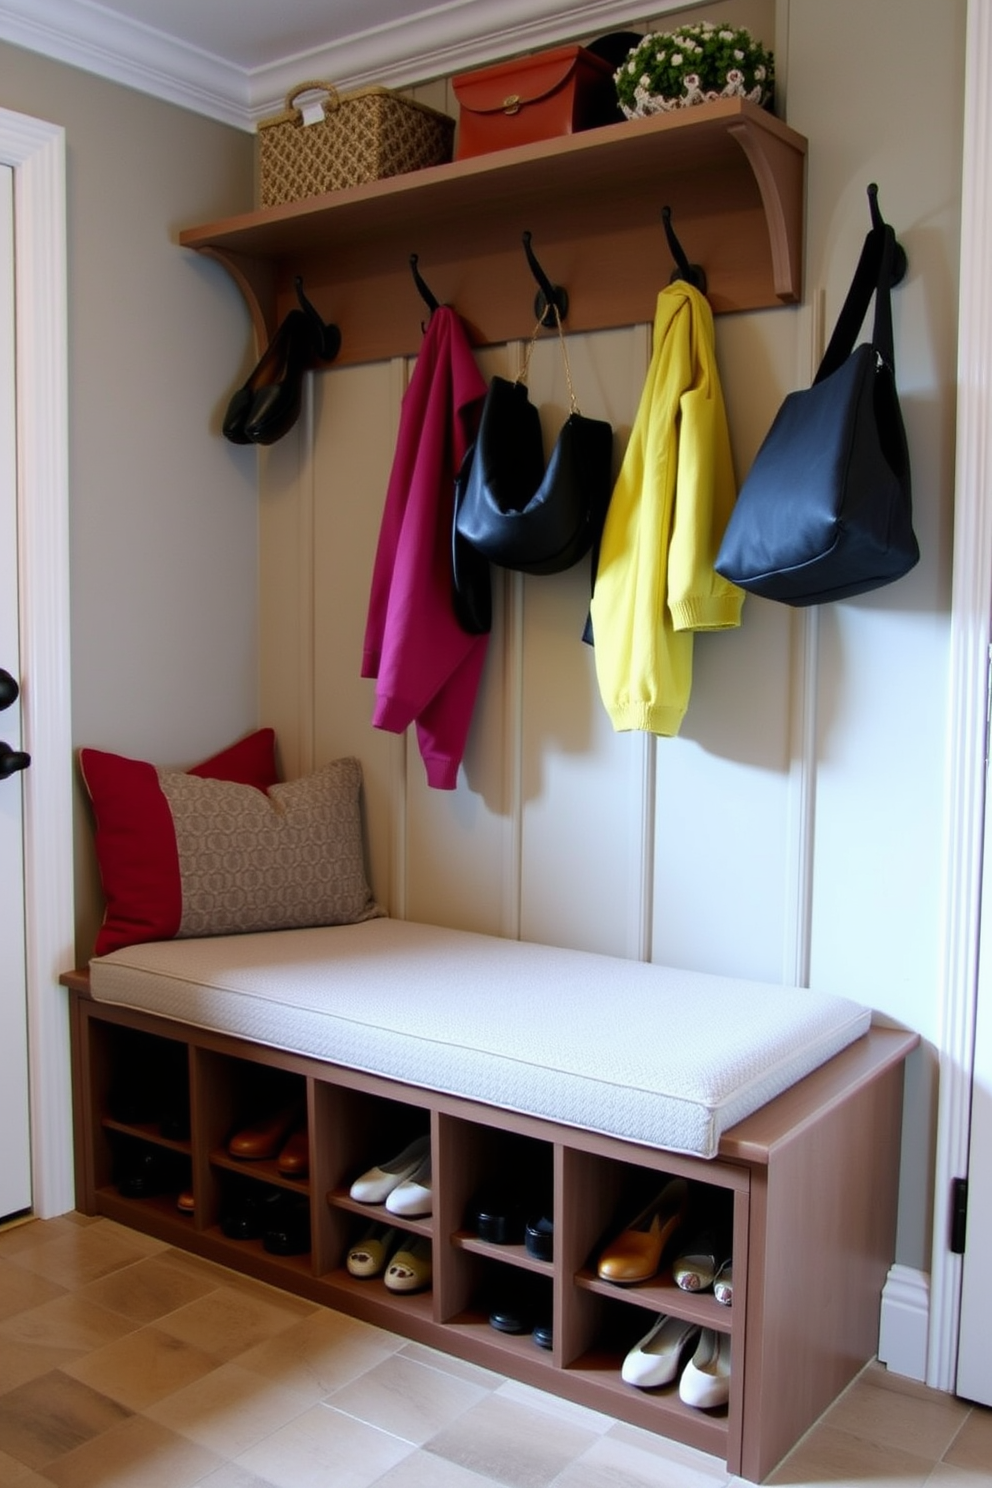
{"x": 732, "y": 173}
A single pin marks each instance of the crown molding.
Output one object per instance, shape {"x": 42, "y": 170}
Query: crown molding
{"x": 443, "y": 39}
{"x": 100, "y": 41}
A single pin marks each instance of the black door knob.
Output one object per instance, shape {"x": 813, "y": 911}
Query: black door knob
{"x": 8, "y": 690}
{"x": 12, "y": 760}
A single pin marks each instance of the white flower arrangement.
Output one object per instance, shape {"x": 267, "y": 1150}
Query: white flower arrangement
{"x": 696, "y": 64}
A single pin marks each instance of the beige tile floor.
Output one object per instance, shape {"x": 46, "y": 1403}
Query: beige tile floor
{"x": 127, "y": 1364}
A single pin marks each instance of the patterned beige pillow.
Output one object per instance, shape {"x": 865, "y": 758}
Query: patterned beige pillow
{"x": 276, "y": 860}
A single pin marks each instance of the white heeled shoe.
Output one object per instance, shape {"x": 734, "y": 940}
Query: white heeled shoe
{"x": 705, "y": 1381}
{"x": 375, "y": 1185}
{"x": 658, "y": 1356}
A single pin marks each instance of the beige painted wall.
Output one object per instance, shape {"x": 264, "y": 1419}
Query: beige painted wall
{"x": 163, "y": 512}
{"x": 687, "y": 850}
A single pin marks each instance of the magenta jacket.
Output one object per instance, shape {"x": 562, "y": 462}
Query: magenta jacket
{"x": 427, "y": 668}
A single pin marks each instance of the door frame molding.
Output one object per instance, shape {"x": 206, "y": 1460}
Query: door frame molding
{"x": 970, "y": 636}
{"x": 35, "y": 149}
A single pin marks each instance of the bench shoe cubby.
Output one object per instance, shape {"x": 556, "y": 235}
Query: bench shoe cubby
{"x": 812, "y": 1205}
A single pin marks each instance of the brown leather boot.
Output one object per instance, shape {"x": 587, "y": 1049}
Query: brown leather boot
{"x": 265, "y": 1137}
{"x": 294, "y": 1157}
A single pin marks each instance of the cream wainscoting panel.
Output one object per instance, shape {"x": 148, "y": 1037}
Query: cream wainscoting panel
{"x": 585, "y": 788}
{"x": 285, "y": 605}
{"x": 460, "y": 849}
{"x": 356, "y": 416}
{"x": 725, "y": 790}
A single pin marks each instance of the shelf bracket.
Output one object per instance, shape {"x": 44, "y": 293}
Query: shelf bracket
{"x": 256, "y": 279}
{"x": 779, "y": 173}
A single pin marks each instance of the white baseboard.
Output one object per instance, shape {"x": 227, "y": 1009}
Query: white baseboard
{"x": 905, "y": 1322}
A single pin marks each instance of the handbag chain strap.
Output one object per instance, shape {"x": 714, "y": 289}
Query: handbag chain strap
{"x": 524, "y": 372}
{"x": 873, "y": 275}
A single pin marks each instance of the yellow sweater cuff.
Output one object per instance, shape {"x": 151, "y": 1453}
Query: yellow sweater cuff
{"x": 712, "y": 612}
{"x": 647, "y": 718}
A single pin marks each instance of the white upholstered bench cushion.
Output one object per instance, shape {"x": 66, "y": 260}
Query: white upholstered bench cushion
{"x": 656, "y": 1056}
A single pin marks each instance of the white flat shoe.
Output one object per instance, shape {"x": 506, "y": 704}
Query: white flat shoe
{"x": 375, "y": 1185}
{"x": 413, "y": 1196}
{"x": 658, "y": 1356}
{"x": 705, "y": 1381}
{"x": 368, "y": 1256}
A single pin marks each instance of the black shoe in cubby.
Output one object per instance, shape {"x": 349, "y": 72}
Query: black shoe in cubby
{"x": 142, "y": 1170}
{"x": 249, "y": 1209}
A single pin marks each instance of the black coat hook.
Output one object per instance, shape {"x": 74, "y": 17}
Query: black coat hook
{"x": 425, "y": 293}
{"x": 550, "y": 297}
{"x": 693, "y": 274}
{"x": 900, "y": 263}
{"x": 326, "y": 335}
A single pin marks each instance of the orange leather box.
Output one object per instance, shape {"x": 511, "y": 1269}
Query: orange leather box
{"x": 533, "y": 98}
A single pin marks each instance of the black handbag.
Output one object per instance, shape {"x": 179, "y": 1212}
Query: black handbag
{"x": 472, "y": 590}
{"x": 826, "y": 510}
{"x": 514, "y": 511}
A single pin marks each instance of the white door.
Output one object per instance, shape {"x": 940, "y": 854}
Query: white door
{"x": 15, "y": 1149}
{"x": 974, "y": 1376}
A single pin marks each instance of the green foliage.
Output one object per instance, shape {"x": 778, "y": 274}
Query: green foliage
{"x": 694, "y": 64}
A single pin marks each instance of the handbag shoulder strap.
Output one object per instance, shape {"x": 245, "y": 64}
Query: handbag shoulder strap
{"x": 873, "y": 275}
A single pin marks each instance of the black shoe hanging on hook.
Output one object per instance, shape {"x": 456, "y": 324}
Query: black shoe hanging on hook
{"x": 268, "y": 404}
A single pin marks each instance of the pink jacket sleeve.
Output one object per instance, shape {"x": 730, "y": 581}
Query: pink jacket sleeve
{"x": 426, "y": 667}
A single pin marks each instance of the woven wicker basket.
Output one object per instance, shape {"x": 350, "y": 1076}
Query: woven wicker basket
{"x": 336, "y": 141}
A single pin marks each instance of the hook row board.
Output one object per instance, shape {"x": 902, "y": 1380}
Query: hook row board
{"x": 733, "y": 174}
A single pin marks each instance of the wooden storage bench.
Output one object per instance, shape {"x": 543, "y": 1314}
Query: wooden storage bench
{"x": 812, "y": 1175}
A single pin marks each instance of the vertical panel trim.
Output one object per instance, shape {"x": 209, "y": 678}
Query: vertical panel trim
{"x": 305, "y": 562}
{"x": 511, "y": 911}
{"x": 804, "y": 665}
{"x": 513, "y": 749}
{"x": 805, "y": 642}
{"x": 640, "y": 939}
{"x": 969, "y": 642}
{"x": 640, "y": 929}
{"x": 400, "y": 371}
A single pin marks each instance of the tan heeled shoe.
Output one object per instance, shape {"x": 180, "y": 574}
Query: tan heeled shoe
{"x": 636, "y": 1253}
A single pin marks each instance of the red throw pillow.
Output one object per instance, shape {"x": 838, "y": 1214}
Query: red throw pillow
{"x": 136, "y": 840}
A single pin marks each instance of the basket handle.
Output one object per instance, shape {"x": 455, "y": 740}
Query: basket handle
{"x": 315, "y": 113}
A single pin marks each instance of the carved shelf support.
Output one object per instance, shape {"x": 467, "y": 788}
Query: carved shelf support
{"x": 781, "y": 186}
{"x": 256, "y": 279}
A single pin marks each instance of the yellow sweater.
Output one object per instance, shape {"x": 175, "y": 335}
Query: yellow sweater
{"x": 655, "y": 582}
